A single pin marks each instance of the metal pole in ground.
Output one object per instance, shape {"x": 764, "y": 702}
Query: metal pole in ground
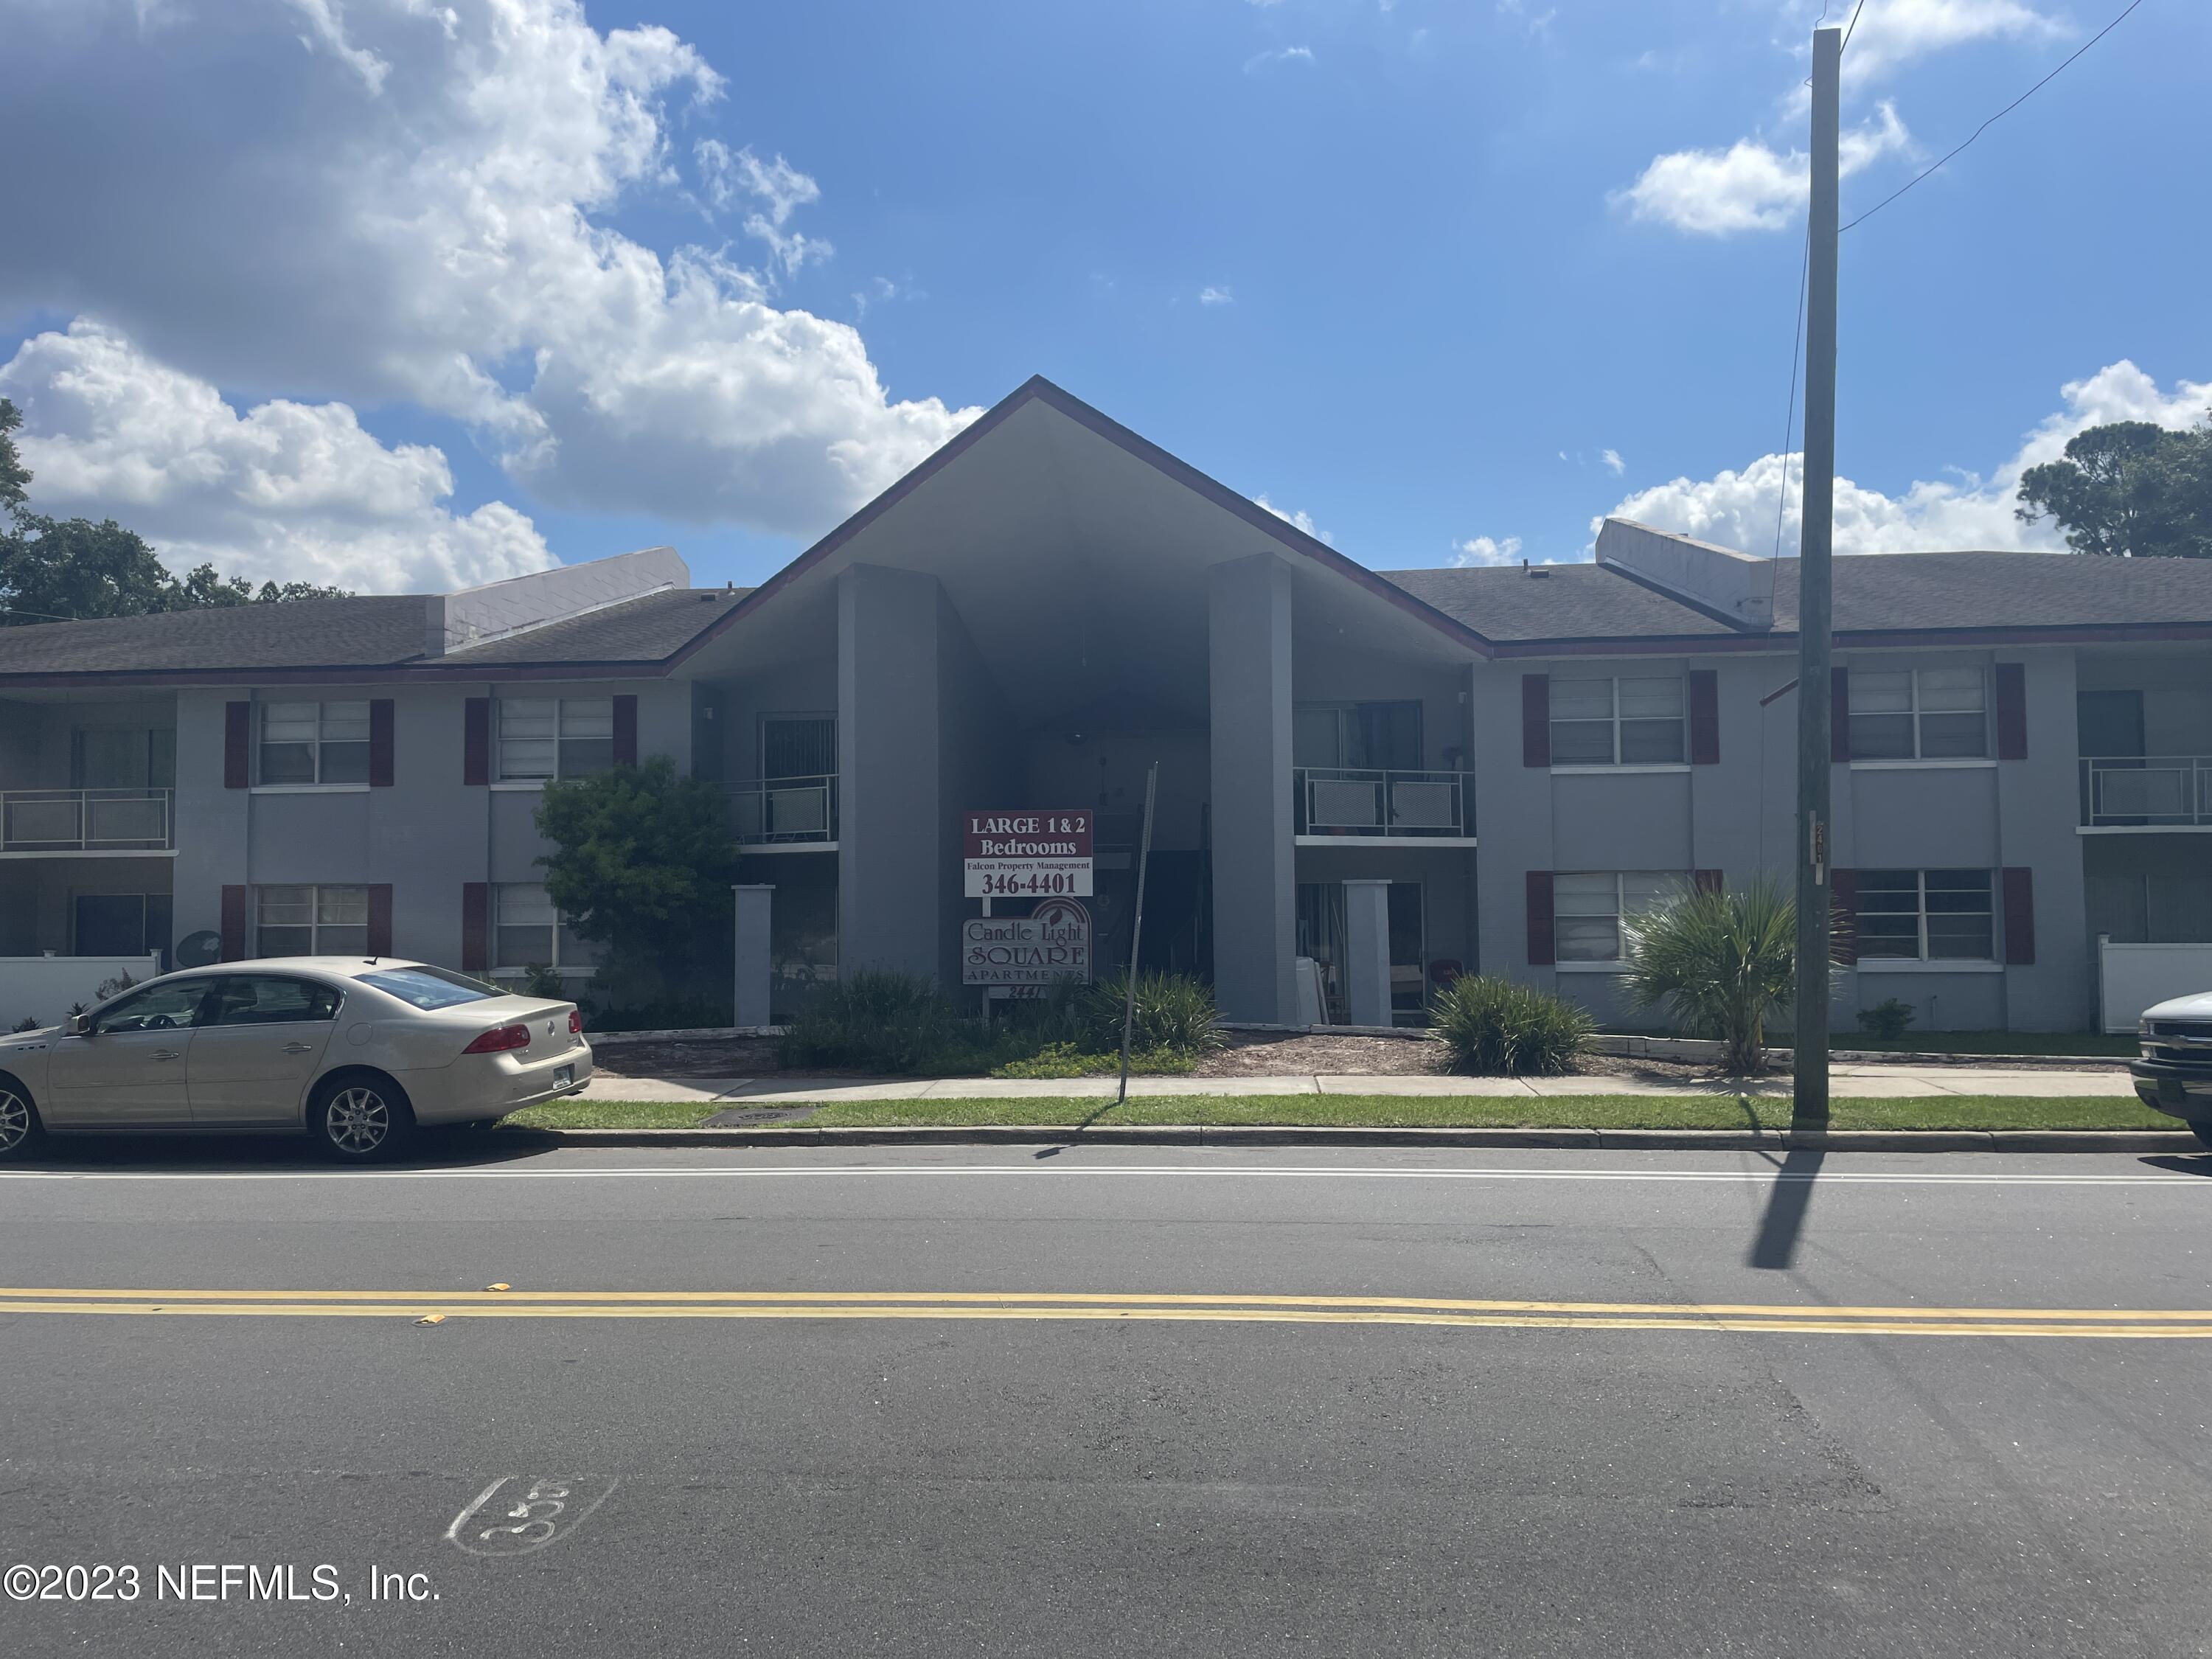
{"x": 1137, "y": 929}
{"x": 1809, "y": 1096}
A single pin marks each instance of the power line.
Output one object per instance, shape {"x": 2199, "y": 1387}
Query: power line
{"x": 1855, "y": 10}
{"x": 1994, "y": 120}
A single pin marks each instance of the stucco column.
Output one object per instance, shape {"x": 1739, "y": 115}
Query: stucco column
{"x": 754, "y": 922}
{"x": 1367, "y": 952}
{"x": 891, "y": 822}
{"x": 1255, "y": 870}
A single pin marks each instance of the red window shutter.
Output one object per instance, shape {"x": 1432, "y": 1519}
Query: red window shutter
{"x": 476, "y": 927}
{"x": 1535, "y": 719}
{"x": 1843, "y": 913}
{"x": 1705, "y": 881}
{"x": 625, "y": 731}
{"x": 476, "y": 740}
{"x": 1839, "y": 713}
{"x": 1705, "y": 717}
{"x": 380, "y": 742}
{"x": 2019, "y": 917}
{"x": 233, "y": 924}
{"x": 379, "y": 919}
{"x": 2012, "y": 711}
{"x": 237, "y": 734}
{"x": 1540, "y": 951}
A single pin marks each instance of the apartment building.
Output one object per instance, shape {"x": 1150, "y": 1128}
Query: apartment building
{"x": 1050, "y": 604}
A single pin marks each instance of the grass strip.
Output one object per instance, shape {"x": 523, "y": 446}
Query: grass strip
{"x": 1702, "y": 1111}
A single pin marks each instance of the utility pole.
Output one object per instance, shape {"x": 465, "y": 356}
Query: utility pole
{"x": 1809, "y": 1096}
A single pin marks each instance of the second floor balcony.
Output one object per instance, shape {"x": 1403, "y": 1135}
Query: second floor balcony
{"x": 2146, "y": 791}
{"x": 785, "y": 815}
{"x": 35, "y": 821}
{"x": 1335, "y": 805}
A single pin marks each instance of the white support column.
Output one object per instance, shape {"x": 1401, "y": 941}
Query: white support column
{"x": 753, "y": 954}
{"x": 1367, "y": 952}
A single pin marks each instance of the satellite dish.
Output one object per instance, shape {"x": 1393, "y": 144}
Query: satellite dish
{"x": 200, "y": 949}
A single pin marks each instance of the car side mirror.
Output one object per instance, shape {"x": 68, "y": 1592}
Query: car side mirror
{"x": 77, "y": 1026}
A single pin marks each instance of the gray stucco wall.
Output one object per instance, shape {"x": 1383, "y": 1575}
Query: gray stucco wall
{"x": 1254, "y": 878}
{"x": 890, "y": 776}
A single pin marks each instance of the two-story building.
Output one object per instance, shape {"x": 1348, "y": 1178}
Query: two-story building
{"x": 1048, "y": 606}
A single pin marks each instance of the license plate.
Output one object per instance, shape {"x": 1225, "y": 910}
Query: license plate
{"x": 563, "y": 1076}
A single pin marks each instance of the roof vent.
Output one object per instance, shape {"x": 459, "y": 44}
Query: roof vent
{"x": 1720, "y": 582}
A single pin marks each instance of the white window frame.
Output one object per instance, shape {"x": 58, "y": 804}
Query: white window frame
{"x": 1612, "y": 683}
{"x": 1914, "y": 712}
{"x": 316, "y": 743}
{"x": 1681, "y": 880}
{"x": 563, "y": 949}
{"x": 316, "y": 924}
{"x": 564, "y": 710}
{"x": 1867, "y": 959}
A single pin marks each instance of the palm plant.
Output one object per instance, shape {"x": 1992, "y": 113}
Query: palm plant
{"x": 1719, "y": 962}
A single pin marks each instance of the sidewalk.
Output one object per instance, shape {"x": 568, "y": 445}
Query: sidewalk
{"x": 1861, "y": 1082}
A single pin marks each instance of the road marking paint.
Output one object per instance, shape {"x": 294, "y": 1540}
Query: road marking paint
{"x": 678, "y": 1299}
{"x": 1098, "y": 1307}
{"x": 2179, "y": 1181}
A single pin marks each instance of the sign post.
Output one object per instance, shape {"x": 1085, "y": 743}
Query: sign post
{"x": 1137, "y": 929}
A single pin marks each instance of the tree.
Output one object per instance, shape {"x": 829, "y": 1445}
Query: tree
{"x": 67, "y": 569}
{"x": 2128, "y": 490}
{"x": 1720, "y": 963}
{"x": 642, "y": 864}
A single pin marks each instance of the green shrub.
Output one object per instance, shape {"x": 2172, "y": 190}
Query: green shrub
{"x": 539, "y": 980}
{"x": 1494, "y": 1027}
{"x": 877, "y": 1020}
{"x": 1886, "y": 1021}
{"x": 1174, "y": 1012}
{"x": 668, "y": 1014}
{"x": 1066, "y": 1060}
{"x": 1719, "y": 962}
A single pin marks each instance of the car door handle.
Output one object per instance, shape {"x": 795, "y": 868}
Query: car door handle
{"x": 165, "y": 1054}
{"x": 299, "y": 1047}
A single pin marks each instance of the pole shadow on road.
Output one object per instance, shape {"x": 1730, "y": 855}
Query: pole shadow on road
{"x": 1783, "y": 1224}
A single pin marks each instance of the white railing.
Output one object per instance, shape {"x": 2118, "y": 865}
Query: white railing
{"x": 1332, "y": 800}
{"x": 2144, "y": 791}
{"x": 784, "y": 812}
{"x": 87, "y": 820}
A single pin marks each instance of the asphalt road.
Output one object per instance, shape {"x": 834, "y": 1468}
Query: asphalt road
{"x": 1512, "y": 1403}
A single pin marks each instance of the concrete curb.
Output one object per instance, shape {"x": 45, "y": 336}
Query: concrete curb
{"x": 1703, "y": 1140}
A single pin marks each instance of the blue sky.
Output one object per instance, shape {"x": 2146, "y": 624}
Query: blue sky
{"x": 553, "y": 282}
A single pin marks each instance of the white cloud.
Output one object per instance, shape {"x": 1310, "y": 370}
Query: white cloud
{"x": 1486, "y": 550}
{"x": 1210, "y": 295}
{"x": 1964, "y": 512}
{"x": 271, "y": 221}
{"x": 287, "y": 491}
{"x": 1300, "y": 520}
{"x": 1893, "y": 32}
{"x": 1259, "y": 60}
{"x": 1612, "y": 461}
{"x": 1749, "y": 186}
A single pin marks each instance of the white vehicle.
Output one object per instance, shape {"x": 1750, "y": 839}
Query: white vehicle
{"x": 359, "y": 1053}
{"x": 2175, "y": 1073}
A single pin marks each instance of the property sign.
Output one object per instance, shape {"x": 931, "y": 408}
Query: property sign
{"x": 1027, "y": 855}
{"x": 1035, "y": 950}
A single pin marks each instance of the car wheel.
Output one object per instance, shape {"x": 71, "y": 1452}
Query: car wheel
{"x": 20, "y": 1128}
{"x": 2202, "y": 1128}
{"x": 360, "y": 1119}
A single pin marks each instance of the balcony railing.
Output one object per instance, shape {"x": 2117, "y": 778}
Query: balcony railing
{"x": 785, "y": 813}
{"x": 1360, "y": 802}
{"x": 2121, "y": 792}
{"x": 88, "y": 820}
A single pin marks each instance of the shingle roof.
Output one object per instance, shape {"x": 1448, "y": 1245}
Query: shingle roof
{"x": 370, "y": 631}
{"x": 1874, "y": 593}
{"x": 354, "y": 633}
{"x": 644, "y": 629}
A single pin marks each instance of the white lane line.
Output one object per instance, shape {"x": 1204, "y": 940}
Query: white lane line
{"x": 1063, "y": 1171}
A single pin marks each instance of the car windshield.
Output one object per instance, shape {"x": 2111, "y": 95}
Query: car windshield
{"x": 430, "y": 987}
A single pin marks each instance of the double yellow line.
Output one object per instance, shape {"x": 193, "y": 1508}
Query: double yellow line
{"x": 436, "y": 1306}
